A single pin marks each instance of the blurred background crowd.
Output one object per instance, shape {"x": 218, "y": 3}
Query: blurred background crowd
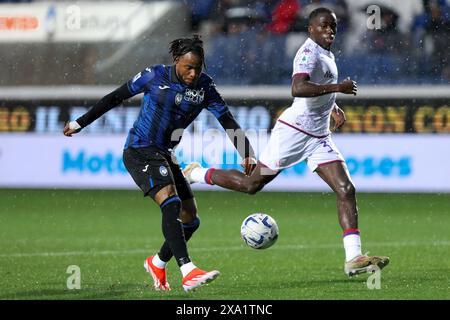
{"x": 252, "y": 42}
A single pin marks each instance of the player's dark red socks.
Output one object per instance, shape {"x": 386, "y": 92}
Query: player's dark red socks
{"x": 351, "y": 231}
{"x": 208, "y": 176}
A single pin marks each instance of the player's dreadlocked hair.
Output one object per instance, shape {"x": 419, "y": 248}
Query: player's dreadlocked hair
{"x": 179, "y": 47}
{"x": 319, "y": 11}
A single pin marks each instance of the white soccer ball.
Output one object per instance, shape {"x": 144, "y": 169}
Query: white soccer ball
{"x": 259, "y": 231}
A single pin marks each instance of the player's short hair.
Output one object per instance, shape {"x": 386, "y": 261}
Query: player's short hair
{"x": 181, "y": 46}
{"x": 317, "y": 12}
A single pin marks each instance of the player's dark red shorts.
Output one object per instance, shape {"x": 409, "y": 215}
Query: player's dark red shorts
{"x": 153, "y": 169}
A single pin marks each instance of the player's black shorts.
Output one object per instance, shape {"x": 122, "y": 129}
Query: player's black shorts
{"x": 152, "y": 170}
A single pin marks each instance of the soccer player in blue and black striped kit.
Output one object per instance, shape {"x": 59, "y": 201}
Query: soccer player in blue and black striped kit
{"x": 173, "y": 97}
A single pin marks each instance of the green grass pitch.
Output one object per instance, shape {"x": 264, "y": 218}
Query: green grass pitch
{"x": 108, "y": 234}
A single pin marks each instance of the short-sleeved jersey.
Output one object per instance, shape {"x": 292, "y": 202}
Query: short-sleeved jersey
{"x": 312, "y": 115}
{"x": 169, "y": 106}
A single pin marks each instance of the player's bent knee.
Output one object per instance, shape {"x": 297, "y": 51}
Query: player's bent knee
{"x": 346, "y": 191}
{"x": 188, "y": 210}
{"x": 192, "y": 225}
{"x": 187, "y": 215}
{"x": 163, "y": 193}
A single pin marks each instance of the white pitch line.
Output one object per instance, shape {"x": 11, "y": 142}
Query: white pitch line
{"x": 233, "y": 248}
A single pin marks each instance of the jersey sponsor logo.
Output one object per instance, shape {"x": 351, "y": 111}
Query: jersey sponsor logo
{"x": 163, "y": 171}
{"x": 194, "y": 96}
{"x": 178, "y": 98}
{"x": 328, "y": 74}
{"x": 145, "y": 169}
{"x": 163, "y": 87}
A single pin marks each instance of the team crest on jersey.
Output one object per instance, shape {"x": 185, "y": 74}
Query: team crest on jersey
{"x": 194, "y": 96}
{"x": 178, "y": 98}
{"x": 163, "y": 171}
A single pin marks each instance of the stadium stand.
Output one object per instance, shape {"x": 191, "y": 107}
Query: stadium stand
{"x": 248, "y": 42}
{"x": 408, "y": 48}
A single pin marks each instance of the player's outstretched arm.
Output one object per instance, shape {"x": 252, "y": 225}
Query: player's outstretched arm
{"x": 105, "y": 104}
{"x": 303, "y": 87}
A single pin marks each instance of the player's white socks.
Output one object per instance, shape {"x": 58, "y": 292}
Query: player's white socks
{"x": 352, "y": 244}
{"x": 198, "y": 175}
{"x": 158, "y": 262}
{"x": 186, "y": 268}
